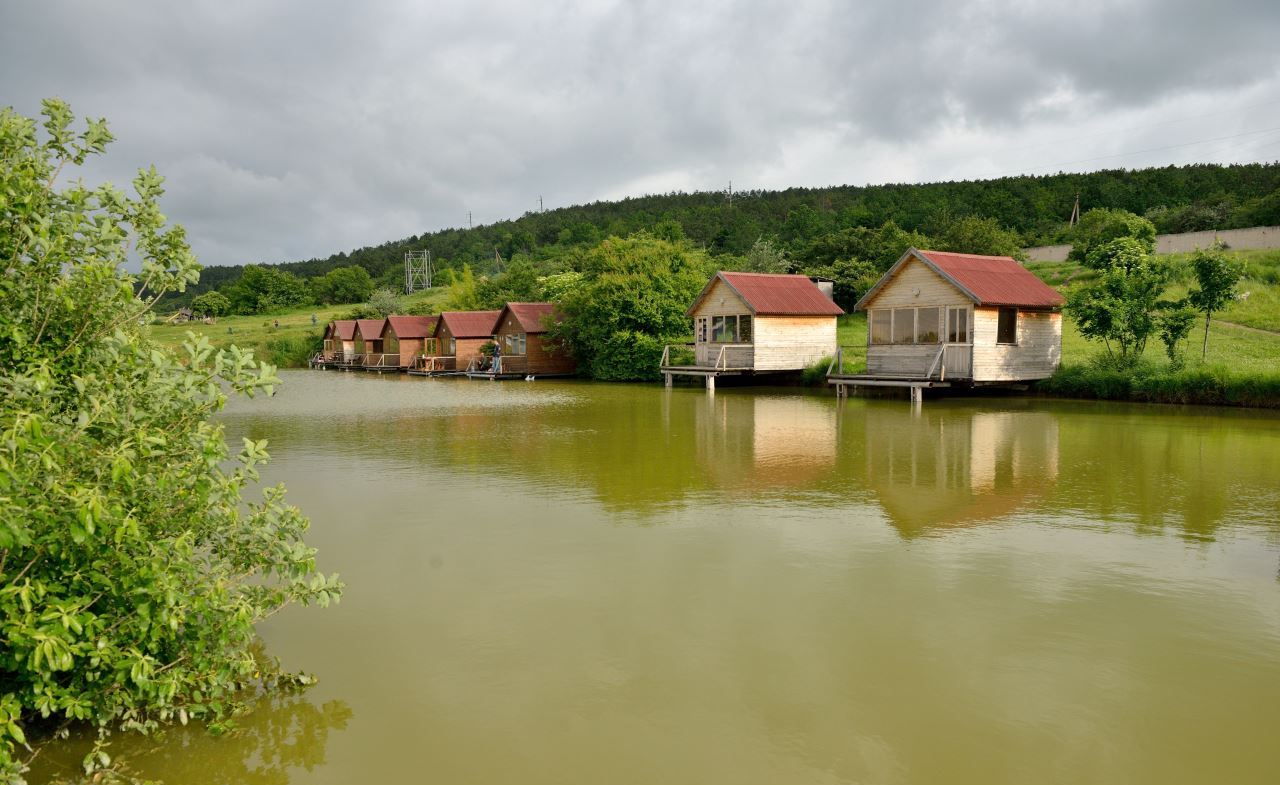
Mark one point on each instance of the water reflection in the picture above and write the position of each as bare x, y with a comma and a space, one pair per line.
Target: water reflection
284, 735
939, 468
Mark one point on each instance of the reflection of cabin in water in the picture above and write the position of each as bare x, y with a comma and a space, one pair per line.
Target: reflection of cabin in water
937, 318
526, 350
752, 443
945, 469
459, 336
404, 338
756, 323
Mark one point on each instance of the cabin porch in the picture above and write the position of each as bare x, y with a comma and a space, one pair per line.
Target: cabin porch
914, 367
433, 365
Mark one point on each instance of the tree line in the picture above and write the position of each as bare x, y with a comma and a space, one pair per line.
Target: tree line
1032, 209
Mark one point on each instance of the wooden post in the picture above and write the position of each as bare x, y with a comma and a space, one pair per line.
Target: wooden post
917, 395
711, 383
668, 382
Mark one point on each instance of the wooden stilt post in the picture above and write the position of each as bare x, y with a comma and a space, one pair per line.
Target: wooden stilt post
917, 396
668, 382
711, 383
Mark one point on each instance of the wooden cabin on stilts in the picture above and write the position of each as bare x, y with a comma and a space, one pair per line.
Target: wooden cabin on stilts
748, 324
458, 338
369, 355
525, 349
404, 339
338, 347
941, 319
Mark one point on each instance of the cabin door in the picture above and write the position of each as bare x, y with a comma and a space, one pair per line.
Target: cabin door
957, 353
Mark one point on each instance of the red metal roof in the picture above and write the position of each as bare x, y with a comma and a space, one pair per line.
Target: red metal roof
768, 294
470, 324
370, 329
345, 329
995, 280
532, 317
412, 326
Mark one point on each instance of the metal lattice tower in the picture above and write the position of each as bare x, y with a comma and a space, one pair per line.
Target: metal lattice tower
417, 271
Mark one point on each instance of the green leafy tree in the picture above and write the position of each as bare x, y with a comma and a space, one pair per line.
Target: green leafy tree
132, 571
557, 286
974, 234
211, 304
765, 257
344, 285
631, 300
1174, 324
1100, 226
518, 284
262, 289
463, 293
1217, 276
1120, 309
382, 303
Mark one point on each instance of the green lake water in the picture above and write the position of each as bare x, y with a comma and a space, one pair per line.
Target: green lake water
584, 583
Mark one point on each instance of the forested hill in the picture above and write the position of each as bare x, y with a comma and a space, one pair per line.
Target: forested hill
1183, 198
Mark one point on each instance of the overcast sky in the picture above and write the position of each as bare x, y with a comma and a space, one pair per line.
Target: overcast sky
291, 130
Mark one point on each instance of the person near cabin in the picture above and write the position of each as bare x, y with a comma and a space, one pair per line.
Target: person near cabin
497, 357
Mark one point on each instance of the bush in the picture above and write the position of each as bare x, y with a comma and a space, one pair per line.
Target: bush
1202, 384
133, 572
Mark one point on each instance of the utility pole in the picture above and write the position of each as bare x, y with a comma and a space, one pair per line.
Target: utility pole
730, 193
469, 219
540, 208
1075, 211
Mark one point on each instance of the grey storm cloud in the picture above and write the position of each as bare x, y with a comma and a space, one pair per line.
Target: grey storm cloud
296, 129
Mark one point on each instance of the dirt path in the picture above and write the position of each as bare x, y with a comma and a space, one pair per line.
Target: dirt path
1247, 328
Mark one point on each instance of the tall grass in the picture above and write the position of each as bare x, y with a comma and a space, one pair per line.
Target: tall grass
1200, 384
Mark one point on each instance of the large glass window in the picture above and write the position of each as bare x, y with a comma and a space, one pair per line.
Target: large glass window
928, 325
514, 344
730, 329
904, 325
881, 324
1007, 326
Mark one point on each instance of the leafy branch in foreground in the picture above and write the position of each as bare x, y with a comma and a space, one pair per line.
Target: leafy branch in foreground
132, 573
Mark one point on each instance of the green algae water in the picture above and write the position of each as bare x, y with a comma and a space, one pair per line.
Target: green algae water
582, 583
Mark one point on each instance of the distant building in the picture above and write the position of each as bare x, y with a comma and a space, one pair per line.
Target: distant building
405, 337
526, 350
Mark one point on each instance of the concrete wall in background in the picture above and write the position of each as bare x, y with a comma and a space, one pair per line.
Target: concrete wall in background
1236, 239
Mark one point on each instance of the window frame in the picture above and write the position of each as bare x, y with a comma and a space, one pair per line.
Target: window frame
1001, 314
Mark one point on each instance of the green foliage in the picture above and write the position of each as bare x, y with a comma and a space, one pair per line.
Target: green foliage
132, 572
518, 284
853, 278
557, 286
1100, 226
1120, 307
266, 289
974, 234
881, 247
765, 257
631, 301
382, 303
463, 293
349, 284
1174, 324
1217, 276
1202, 384
211, 304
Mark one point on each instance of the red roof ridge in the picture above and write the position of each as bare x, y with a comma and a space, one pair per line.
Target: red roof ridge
773, 294
970, 255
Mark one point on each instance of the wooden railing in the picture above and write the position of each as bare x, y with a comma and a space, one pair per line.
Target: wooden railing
382, 361
957, 361
679, 347
434, 363
723, 356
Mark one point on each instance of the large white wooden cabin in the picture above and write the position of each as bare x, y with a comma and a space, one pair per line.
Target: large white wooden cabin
754, 323
939, 318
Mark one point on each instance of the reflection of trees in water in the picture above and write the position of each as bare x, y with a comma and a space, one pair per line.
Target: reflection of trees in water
284, 733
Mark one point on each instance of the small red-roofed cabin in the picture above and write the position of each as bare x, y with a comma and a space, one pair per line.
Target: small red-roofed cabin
938, 317
459, 336
526, 350
339, 342
751, 323
368, 340
404, 338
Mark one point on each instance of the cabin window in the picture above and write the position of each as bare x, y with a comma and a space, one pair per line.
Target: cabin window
1007, 326
515, 344
928, 325
958, 325
881, 325
701, 326
730, 329
904, 325
391, 345
453, 346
